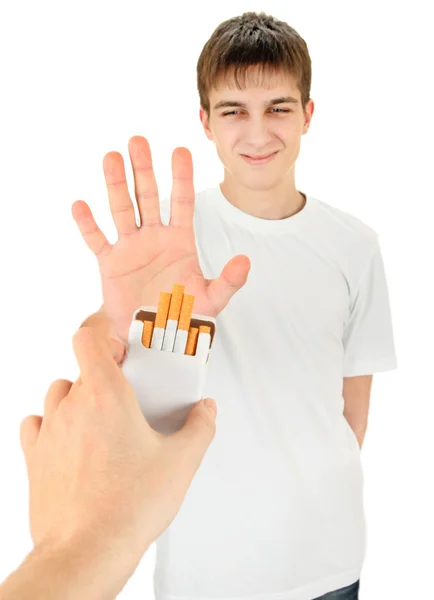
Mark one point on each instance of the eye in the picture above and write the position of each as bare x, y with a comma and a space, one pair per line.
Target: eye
280, 110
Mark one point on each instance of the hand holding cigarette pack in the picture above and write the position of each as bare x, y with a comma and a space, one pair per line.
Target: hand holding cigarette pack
167, 358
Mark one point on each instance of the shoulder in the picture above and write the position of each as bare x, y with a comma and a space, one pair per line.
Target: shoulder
341, 233
343, 239
343, 221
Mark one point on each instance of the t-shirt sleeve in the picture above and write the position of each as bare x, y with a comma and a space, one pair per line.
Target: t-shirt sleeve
368, 337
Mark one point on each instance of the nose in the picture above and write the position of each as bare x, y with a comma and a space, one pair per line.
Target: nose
256, 135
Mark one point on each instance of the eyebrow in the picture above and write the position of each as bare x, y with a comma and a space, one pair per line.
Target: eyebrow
230, 103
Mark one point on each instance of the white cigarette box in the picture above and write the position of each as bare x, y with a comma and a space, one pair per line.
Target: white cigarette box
167, 385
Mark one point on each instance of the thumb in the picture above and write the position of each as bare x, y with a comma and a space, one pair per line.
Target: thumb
194, 438
118, 349
29, 432
232, 278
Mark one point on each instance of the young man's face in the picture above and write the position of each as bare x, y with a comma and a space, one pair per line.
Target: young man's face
258, 121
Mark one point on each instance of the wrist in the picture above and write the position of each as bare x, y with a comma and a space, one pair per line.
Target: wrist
82, 570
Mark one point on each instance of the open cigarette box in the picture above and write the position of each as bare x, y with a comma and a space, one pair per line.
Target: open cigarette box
167, 384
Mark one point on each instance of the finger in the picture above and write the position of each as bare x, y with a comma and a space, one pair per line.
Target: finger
118, 350
104, 325
95, 359
193, 440
57, 391
121, 205
145, 184
29, 432
182, 197
92, 234
232, 278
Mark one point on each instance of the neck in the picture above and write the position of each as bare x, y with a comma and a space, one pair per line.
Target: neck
279, 202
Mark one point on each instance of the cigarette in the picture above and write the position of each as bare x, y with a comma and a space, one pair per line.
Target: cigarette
190, 347
148, 327
203, 342
172, 321
160, 320
183, 324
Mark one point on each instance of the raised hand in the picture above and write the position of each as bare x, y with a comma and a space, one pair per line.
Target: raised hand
151, 257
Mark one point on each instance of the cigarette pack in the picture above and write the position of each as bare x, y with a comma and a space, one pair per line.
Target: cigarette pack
167, 384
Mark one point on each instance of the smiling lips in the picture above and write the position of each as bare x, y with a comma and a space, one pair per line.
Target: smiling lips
259, 160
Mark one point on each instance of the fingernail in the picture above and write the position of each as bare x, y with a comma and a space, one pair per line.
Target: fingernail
211, 405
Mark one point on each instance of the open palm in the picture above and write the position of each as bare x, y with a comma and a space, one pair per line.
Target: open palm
152, 257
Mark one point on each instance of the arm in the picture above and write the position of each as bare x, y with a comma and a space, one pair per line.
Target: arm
356, 393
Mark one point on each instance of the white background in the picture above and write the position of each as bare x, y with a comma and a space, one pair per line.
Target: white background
79, 79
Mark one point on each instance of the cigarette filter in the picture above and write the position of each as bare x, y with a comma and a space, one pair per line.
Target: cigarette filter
148, 327
160, 320
203, 342
172, 321
183, 324
190, 347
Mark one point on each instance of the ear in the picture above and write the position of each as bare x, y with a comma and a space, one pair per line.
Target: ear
310, 107
204, 119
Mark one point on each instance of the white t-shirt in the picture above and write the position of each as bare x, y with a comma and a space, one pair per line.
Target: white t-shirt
275, 511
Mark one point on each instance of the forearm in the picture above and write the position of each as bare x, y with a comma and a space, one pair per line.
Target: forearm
73, 574
356, 393
358, 425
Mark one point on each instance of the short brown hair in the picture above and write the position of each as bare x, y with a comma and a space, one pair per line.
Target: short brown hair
253, 39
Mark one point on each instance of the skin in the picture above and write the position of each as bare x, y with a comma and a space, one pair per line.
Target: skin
267, 191
357, 393
103, 484
95, 508
150, 257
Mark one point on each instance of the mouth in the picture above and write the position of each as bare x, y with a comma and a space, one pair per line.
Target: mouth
259, 160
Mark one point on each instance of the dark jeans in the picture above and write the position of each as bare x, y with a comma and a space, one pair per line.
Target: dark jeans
350, 592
